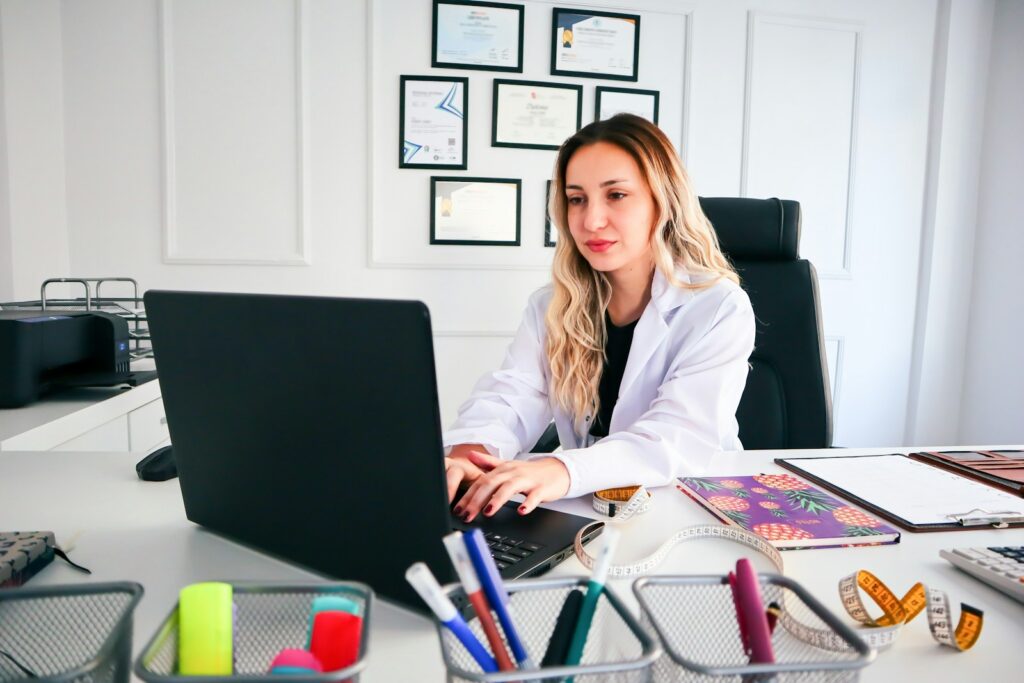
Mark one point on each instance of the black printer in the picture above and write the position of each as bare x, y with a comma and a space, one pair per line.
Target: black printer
43, 351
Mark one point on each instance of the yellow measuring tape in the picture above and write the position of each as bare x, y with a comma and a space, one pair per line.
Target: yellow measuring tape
898, 611
622, 504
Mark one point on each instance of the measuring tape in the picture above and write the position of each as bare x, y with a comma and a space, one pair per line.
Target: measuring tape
882, 632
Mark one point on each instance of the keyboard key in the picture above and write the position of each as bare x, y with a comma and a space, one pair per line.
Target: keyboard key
520, 552
501, 566
502, 548
530, 546
507, 559
969, 553
496, 537
512, 541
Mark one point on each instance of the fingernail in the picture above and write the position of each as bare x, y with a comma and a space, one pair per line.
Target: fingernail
457, 510
522, 509
489, 509
465, 517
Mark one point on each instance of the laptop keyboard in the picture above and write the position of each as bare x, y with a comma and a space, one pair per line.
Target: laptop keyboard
506, 551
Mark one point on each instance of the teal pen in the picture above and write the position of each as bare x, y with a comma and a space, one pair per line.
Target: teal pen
594, 588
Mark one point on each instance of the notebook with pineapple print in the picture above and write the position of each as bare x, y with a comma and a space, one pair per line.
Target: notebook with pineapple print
787, 511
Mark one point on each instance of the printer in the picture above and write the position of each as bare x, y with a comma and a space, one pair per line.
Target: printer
43, 351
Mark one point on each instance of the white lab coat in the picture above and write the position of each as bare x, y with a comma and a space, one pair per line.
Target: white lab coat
677, 403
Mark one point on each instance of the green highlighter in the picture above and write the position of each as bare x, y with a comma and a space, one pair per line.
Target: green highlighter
205, 625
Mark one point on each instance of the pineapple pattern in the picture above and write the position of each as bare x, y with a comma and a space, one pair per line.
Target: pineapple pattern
856, 522
782, 508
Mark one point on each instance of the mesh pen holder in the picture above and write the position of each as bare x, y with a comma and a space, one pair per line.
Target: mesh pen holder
618, 649
74, 633
695, 619
268, 619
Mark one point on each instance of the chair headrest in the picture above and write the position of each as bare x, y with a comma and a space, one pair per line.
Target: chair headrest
755, 229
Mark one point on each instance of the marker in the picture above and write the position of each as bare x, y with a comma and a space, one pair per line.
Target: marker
594, 588
750, 613
497, 596
420, 577
772, 613
464, 568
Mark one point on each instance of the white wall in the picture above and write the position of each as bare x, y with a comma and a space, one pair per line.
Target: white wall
959, 79
993, 398
127, 120
35, 213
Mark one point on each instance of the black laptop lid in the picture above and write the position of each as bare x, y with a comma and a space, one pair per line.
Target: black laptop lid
288, 413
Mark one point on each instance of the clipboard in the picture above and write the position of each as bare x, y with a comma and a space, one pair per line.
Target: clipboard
902, 490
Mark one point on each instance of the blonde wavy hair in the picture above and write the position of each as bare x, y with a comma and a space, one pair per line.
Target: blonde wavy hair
681, 236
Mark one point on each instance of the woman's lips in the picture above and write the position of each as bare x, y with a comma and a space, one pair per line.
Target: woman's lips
599, 245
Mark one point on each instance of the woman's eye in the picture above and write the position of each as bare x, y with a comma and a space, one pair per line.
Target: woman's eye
616, 195
575, 200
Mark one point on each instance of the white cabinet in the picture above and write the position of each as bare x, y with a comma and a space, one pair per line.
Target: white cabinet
88, 420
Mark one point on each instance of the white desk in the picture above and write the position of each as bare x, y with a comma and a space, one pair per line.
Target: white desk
89, 418
126, 529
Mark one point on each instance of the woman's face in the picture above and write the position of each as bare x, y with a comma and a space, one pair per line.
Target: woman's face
610, 209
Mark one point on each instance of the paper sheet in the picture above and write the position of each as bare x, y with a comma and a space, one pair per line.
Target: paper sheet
911, 490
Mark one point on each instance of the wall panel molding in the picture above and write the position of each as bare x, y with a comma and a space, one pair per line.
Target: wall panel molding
757, 24
300, 251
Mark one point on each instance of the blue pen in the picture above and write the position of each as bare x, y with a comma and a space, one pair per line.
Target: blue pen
497, 596
426, 585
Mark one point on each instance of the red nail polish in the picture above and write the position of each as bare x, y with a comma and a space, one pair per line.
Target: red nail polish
457, 510
522, 509
489, 509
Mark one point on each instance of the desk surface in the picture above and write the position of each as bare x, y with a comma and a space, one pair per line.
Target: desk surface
64, 415
126, 529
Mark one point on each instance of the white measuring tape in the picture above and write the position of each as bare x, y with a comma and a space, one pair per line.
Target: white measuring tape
623, 503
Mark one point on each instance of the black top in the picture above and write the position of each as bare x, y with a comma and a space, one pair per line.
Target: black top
616, 352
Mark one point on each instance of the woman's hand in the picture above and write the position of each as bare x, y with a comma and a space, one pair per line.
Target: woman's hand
542, 480
458, 469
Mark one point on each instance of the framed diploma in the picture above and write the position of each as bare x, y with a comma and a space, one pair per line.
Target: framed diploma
592, 44
550, 231
611, 101
533, 114
478, 211
433, 122
477, 35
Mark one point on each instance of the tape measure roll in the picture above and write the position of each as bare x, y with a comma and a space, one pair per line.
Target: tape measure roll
623, 502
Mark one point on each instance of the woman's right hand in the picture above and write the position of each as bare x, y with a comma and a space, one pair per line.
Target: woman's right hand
459, 469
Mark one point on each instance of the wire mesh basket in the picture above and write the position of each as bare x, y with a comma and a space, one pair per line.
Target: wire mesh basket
695, 619
268, 619
75, 633
617, 649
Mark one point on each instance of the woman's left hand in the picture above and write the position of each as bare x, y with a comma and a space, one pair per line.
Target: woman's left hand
542, 480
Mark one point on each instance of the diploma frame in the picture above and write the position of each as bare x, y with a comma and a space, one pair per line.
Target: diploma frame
434, 180
402, 163
541, 85
549, 229
645, 94
438, 64
557, 39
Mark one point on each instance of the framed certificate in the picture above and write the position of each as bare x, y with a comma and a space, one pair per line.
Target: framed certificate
550, 232
592, 44
433, 122
478, 211
611, 101
477, 35
535, 115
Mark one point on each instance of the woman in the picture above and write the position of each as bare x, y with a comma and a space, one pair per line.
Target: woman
638, 348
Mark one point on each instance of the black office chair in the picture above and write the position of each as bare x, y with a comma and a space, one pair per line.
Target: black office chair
787, 402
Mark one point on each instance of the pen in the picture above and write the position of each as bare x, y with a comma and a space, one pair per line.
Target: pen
426, 585
497, 596
464, 568
750, 613
594, 588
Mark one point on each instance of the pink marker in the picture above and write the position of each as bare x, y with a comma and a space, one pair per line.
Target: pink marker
750, 613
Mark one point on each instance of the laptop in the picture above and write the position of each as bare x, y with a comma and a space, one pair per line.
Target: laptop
309, 428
